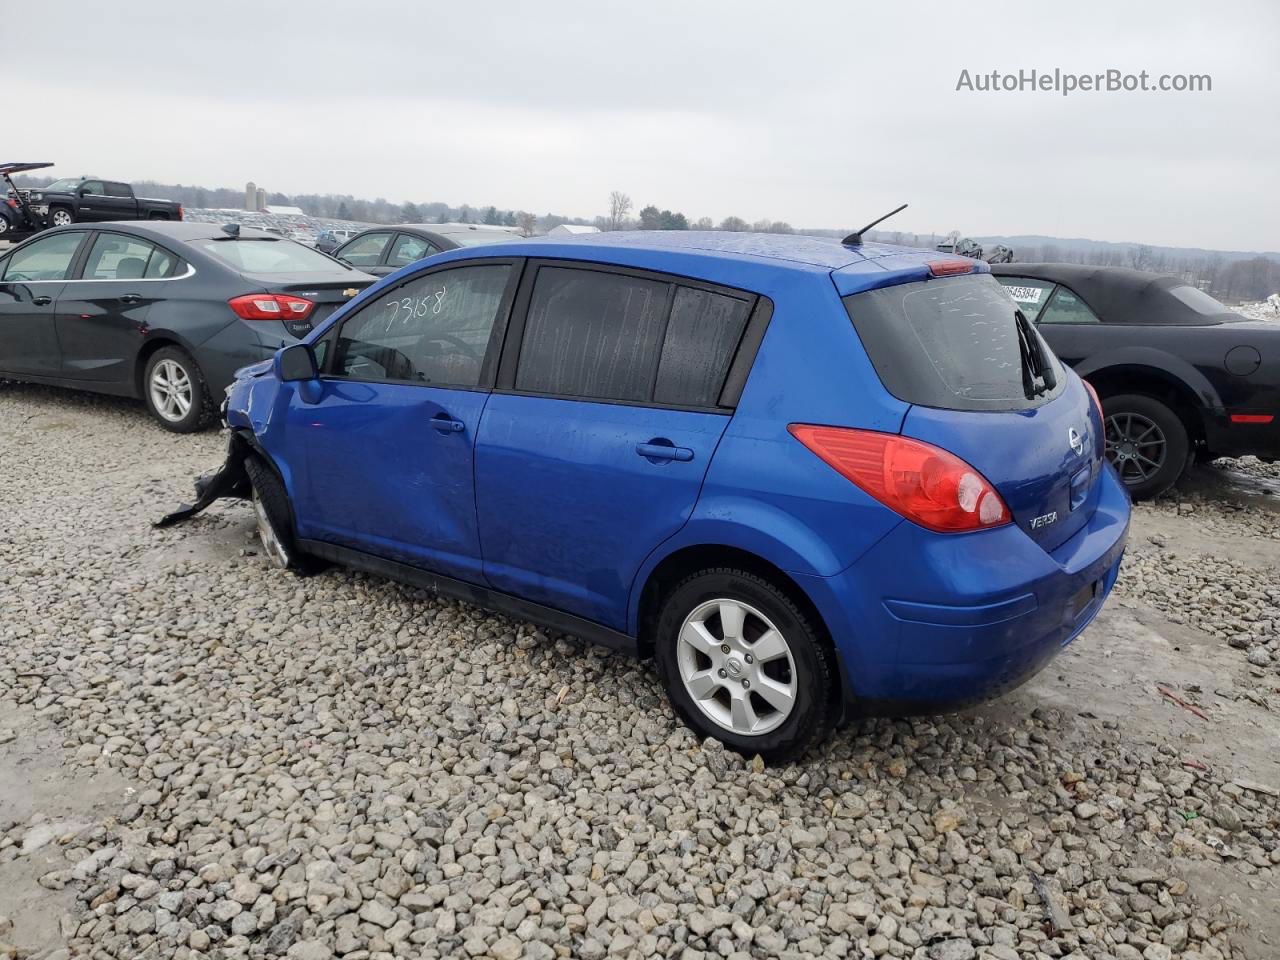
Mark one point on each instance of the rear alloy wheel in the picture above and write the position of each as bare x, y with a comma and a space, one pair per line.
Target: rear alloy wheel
743, 664
175, 391
1147, 443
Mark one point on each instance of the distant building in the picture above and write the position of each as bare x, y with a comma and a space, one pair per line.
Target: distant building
262, 200
284, 211
250, 196
571, 230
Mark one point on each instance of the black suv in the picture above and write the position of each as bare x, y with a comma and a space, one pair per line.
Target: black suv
1180, 375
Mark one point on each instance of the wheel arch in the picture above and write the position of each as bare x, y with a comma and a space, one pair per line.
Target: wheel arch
153, 343
684, 561
1186, 401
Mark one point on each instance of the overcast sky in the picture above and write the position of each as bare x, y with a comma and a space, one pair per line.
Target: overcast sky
820, 114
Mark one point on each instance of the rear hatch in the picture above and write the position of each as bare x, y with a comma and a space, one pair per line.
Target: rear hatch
985, 386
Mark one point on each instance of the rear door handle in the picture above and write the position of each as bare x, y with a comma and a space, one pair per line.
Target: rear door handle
131, 298
664, 451
446, 424
42, 301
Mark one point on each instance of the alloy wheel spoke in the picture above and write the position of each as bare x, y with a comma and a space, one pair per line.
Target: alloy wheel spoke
696, 634
703, 684
770, 646
731, 618
743, 714
773, 693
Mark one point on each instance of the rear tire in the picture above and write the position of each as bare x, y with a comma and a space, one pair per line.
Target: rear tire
274, 517
773, 693
175, 391
1146, 441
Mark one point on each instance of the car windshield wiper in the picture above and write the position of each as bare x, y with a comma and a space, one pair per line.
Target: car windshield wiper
1037, 373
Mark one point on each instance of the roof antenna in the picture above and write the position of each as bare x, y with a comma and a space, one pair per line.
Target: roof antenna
231, 229
855, 239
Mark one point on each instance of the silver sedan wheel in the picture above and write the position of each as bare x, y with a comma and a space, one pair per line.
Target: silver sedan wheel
737, 667
60, 218
276, 552
171, 390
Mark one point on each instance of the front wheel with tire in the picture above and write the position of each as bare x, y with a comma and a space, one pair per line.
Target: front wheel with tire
61, 217
175, 391
274, 516
741, 662
1146, 441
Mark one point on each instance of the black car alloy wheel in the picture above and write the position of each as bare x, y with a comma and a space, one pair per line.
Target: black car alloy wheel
1136, 445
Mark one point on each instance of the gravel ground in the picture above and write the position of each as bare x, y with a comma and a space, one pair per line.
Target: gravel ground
202, 756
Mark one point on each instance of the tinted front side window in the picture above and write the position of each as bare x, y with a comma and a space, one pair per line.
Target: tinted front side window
114, 257
702, 337
592, 334
93, 186
432, 330
951, 343
46, 259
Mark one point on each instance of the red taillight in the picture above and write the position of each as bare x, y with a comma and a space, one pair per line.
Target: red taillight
949, 268
925, 484
271, 306
1097, 404
1252, 417
11, 203
181, 212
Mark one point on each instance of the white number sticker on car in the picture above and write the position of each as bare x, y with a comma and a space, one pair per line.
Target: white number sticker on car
1025, 294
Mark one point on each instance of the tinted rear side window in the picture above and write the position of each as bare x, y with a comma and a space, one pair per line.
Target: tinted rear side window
592, 334
950, 343
702, 337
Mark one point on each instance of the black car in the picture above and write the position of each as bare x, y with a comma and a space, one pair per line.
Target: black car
331, 238
162, 311
384, 250
1180, 375
88, 200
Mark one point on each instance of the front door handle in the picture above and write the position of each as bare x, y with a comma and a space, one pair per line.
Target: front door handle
657, 450
42, 301
446, 424
131, 298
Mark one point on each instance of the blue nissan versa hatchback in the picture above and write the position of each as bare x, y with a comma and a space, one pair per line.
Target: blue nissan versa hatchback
811, 479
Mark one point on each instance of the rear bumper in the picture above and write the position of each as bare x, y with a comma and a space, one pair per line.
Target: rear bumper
1227, 439
925, 622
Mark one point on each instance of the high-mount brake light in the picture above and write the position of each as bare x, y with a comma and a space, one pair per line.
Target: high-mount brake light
924, 483
271, 306
949, 268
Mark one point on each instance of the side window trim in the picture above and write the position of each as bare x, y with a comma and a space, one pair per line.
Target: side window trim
488, 366
739, 365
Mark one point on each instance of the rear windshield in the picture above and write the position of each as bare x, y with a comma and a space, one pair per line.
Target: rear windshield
478, 238
956, 343
254, 255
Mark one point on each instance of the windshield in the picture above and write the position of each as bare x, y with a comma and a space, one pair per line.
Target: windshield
477, 238
66, 185
264, 255
955, 343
